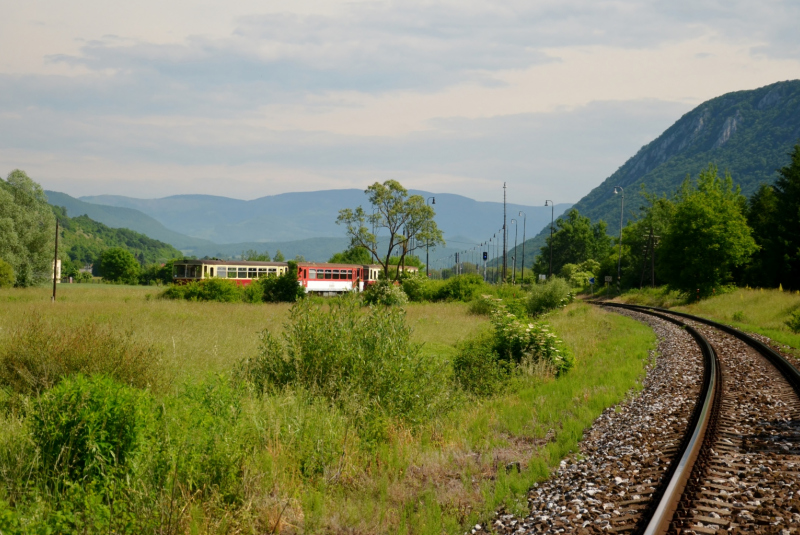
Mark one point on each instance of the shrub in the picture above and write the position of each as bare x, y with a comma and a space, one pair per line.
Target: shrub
553, 294
39, 354
282, 289
385, 293
214, 289
794, 322
87, 428
460, 288
477, 368
485, 305
7, 278
485, 363
362, 360
418, 287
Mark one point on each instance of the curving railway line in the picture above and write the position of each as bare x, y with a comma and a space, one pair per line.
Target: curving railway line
712, 445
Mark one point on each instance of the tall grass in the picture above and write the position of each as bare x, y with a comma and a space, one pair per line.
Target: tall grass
215, 456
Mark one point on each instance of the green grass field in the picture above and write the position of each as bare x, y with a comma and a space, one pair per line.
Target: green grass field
299, 467
749, 309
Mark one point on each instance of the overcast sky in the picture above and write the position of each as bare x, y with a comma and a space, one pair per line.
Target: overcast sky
253, 98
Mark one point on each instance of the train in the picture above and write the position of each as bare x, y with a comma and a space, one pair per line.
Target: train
315, 277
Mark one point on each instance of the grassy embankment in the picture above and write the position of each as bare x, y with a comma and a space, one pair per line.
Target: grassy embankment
753, 310
298, 465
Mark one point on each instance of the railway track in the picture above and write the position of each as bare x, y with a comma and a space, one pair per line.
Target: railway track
740, 471
717, 455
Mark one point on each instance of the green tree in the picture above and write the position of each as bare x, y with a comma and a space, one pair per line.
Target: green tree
119, 265
575, 240
762, 217
253, 255
27, 229
279, 256
637, 260
707, 237
7, 278
408, 221
353, 255
787, 190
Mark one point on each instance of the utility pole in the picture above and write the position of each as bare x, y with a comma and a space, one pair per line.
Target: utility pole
55, 264
524, 221
505, 236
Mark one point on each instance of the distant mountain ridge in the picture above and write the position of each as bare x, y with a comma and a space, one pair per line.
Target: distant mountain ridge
304, 215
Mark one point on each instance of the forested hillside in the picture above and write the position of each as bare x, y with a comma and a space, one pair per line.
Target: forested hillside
82, 240
749, 134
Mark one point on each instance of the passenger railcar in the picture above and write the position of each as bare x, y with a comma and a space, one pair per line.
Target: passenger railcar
322, 278
241, 272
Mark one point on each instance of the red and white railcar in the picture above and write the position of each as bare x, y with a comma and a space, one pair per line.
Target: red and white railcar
329, 279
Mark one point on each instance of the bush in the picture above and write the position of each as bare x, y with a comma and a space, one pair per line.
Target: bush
553, 294
7, 277
87, 428
214, 289
39, 354
385, 293
362, 360
484, 364
794, 322
282, 289
460, 288
418, 287
485, 305
477, 367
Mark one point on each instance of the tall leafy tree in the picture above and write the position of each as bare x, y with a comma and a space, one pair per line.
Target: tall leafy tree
27, 229
707, 237
119, 265
574, 241
787, 191
762, 216
353, 255
407, 220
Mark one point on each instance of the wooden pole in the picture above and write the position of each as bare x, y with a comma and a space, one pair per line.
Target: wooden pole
55, 264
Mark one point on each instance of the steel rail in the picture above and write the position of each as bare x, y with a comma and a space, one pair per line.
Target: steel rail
787, 369
667, 498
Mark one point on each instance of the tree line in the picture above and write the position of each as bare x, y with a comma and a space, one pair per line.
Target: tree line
705, 236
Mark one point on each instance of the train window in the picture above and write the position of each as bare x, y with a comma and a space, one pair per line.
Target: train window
252, 273
272, 271
327, 273
335, 274
180, 271
312, 273
242, 273
222, 272
211, 271
231, 272
262, 272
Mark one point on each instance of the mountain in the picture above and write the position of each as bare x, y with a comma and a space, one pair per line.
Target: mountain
83, 239
747, 133
304, 215
118, 217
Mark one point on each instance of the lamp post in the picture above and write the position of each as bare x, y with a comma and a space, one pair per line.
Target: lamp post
552, 211
621, 213
427, 242
524, 220
514, 272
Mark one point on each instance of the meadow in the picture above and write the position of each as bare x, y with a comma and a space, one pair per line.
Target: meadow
223, 457
757, 310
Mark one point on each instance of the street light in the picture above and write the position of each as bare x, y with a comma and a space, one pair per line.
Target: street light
552, 211
428, 242
621, 213
514, 273
524, 220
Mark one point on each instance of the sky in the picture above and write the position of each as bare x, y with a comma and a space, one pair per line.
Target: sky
252, 98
